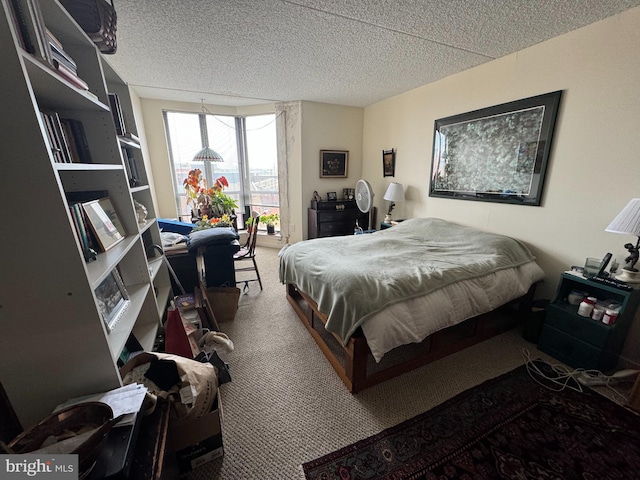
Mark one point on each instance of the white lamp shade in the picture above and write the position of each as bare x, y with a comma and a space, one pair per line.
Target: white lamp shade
628, 220
395, 193
207, 155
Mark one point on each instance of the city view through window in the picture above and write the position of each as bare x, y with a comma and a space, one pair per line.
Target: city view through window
249, 151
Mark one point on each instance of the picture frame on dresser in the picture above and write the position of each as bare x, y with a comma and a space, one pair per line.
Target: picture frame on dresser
334, 163
104, 222
112, 299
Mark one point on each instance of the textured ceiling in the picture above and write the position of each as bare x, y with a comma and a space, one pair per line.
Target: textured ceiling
348, 52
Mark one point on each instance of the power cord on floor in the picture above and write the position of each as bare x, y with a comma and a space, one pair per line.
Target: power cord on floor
557, 377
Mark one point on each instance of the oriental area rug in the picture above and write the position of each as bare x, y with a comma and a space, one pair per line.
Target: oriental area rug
510, 427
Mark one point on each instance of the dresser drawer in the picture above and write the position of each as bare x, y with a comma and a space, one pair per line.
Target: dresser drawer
327, 229
572, 351
336, 215
563, 317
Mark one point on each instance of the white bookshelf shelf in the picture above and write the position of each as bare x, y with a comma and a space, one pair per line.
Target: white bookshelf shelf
54, 344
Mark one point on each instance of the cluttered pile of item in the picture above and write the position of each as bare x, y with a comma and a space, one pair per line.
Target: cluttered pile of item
183, 381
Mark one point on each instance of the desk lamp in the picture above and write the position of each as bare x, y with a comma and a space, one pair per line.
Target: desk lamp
628, 222
395, 193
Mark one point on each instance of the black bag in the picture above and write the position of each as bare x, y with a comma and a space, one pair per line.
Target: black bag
98, 19
223, 368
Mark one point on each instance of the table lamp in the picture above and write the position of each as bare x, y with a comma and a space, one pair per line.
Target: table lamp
628, 222
395, 193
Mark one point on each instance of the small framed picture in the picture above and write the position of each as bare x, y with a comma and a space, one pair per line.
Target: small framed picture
333, 163
112, 298
332, 196
389, 163
104, 222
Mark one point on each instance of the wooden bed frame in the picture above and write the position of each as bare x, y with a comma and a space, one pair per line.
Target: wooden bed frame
353, 368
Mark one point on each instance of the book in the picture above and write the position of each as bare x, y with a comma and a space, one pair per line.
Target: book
16, 21
69, 75
132, 168
56, 57
51, 138
73, 147
31, 26
185, 302
58, 52
79, 138
62, 138
76, 209
116, 112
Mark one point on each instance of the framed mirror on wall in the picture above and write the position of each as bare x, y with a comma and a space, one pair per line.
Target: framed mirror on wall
495, 154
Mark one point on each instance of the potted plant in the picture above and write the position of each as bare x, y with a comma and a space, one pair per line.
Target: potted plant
249, 224
269, 219
205, 222
209, 201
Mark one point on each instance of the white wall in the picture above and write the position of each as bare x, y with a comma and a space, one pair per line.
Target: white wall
593, 170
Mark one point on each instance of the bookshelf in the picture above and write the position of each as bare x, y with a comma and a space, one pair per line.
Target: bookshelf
54, 341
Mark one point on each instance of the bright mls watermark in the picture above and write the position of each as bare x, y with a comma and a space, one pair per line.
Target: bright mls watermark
49, 466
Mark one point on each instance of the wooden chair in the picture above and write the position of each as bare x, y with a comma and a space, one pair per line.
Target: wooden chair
247, 253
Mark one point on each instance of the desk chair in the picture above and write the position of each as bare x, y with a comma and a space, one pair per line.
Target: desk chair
247, 253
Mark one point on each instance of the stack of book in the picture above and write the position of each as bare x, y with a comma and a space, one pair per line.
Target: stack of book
63, 63
38, 40
67, 138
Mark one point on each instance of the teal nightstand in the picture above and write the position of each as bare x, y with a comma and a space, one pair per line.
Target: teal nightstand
385, 225
581, 342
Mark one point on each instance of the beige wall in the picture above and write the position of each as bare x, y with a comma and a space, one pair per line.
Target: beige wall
328, 127
593, 170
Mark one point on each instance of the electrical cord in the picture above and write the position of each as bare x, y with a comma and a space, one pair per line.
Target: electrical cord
557, 377
554, 377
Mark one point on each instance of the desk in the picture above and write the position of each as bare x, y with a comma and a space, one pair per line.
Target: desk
217, 261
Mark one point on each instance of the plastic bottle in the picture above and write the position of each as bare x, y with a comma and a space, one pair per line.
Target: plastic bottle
586, 306
598, 312
610, 316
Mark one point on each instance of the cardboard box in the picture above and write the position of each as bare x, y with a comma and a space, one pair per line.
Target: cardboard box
196, 441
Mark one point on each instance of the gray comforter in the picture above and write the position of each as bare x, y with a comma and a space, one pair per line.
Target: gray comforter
353, 277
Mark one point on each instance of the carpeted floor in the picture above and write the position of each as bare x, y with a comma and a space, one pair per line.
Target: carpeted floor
509, 427
286, 406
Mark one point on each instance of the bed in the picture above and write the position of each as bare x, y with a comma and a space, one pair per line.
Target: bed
415, 292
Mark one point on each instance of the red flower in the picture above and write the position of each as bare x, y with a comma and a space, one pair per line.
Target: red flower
221, 182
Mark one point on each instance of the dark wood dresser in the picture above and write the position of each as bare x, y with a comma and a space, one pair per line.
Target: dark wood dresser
329, 219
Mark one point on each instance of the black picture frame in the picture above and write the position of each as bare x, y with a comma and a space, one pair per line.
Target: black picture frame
334, 163
332, 196
389, 163
495, 154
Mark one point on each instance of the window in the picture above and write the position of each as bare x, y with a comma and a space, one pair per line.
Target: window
248, 147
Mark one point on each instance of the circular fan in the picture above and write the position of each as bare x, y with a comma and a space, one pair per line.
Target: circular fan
364, 196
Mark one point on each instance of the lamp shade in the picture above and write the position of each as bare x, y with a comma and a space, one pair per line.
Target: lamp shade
395, 192
207, 155
628, 220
